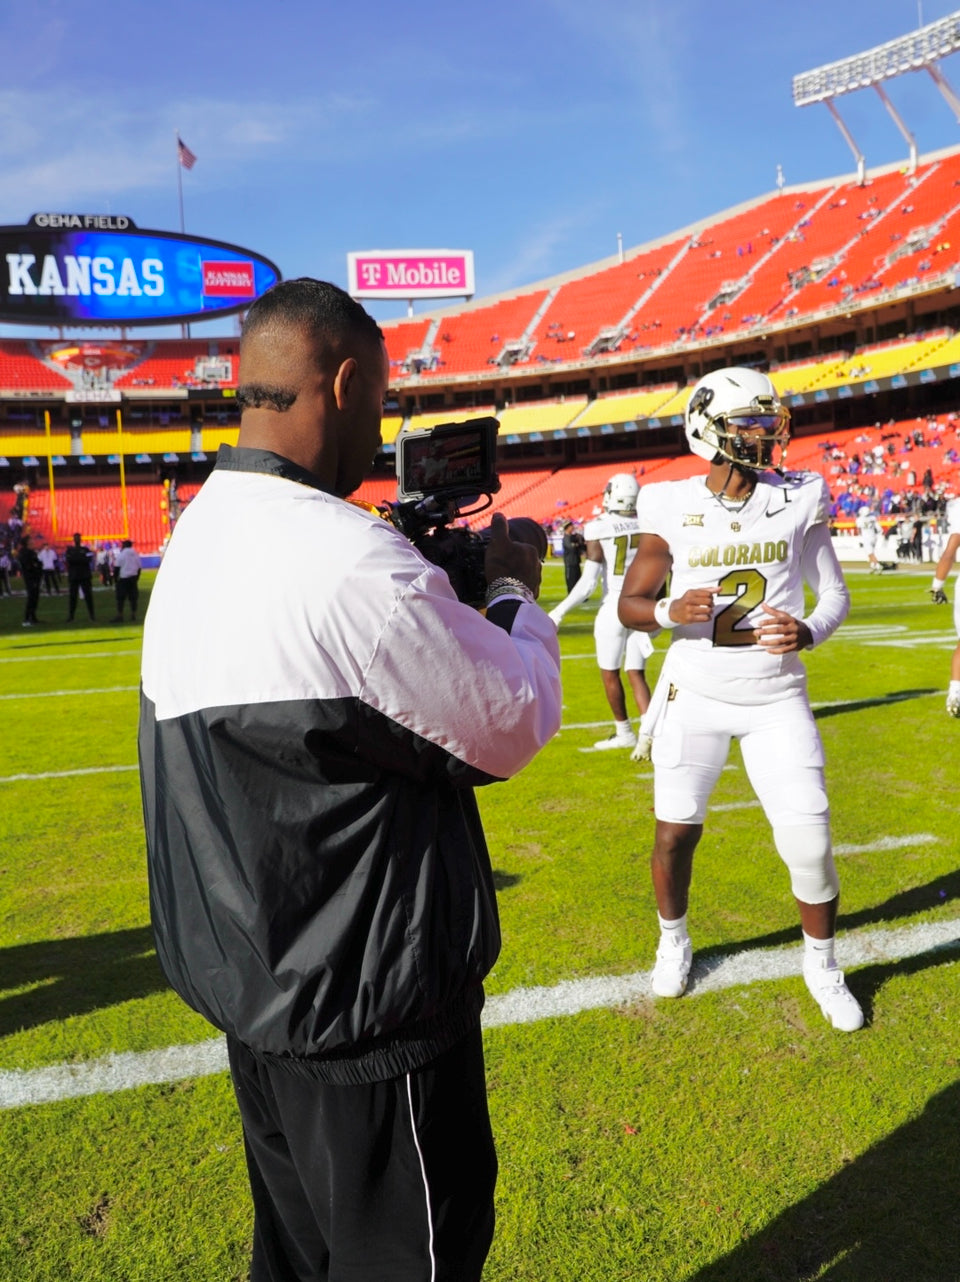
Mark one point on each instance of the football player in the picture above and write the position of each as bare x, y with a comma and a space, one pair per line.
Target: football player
944, 566
740, 543
868, 527
611, 544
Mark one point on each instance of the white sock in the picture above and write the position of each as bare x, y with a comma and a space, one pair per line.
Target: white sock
954, 690
623, 728
675, 931
819, 953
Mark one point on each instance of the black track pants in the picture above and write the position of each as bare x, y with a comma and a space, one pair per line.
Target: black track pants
385, 1182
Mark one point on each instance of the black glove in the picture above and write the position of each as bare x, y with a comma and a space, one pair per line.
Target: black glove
938, 596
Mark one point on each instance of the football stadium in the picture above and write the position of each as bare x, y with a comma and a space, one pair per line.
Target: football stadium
731, 1136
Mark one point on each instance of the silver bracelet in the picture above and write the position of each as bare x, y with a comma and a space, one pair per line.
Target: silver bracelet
507, 587
661, 612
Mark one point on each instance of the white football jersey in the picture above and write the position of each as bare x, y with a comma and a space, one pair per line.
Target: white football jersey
618, 537
868, 525
753, 554
953, 516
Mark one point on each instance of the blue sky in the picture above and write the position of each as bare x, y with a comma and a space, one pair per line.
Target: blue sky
531, 131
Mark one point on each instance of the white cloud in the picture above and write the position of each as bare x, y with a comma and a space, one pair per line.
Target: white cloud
536, 255
63, 154
645, 43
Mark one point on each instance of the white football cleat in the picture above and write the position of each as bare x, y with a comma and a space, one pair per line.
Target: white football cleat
616, 741
829, 990
672, 967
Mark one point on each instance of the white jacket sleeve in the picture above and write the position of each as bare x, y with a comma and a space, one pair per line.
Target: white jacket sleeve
491, 698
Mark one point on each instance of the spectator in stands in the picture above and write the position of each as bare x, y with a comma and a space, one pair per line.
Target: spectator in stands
31, 571
79, 561
330, 903
127, 580
51, 573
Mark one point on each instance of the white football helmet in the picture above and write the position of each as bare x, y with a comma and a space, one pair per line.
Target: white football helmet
620, 494
724, 411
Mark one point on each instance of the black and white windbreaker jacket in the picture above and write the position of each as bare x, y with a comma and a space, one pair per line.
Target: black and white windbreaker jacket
316, 707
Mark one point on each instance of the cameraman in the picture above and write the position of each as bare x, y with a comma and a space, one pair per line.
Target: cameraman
311, 733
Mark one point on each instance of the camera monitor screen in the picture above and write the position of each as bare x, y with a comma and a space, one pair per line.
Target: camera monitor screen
451, 460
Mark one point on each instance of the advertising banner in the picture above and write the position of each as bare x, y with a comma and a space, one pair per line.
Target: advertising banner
411, 273
97, 269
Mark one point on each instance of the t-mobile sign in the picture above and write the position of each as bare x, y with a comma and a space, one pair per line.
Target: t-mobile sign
411, 273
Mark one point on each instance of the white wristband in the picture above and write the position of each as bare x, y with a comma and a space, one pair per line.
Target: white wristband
661, 612
937, 584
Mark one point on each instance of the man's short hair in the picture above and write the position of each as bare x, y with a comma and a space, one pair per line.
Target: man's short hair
317, 308
326, 311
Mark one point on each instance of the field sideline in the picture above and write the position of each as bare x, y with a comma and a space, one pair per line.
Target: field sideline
729, 1136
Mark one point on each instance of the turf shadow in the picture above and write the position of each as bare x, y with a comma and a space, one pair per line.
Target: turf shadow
504, 880
906, 903
76, 976
879, 701
888, 1216
74, 642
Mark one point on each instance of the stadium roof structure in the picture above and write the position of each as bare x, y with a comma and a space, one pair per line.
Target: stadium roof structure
920, 50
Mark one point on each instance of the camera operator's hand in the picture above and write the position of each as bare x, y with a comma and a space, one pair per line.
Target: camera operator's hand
509, 558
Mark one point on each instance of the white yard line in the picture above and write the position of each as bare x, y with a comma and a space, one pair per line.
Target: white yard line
67, 774
887, 843
63, 658
56, 694
21, 1087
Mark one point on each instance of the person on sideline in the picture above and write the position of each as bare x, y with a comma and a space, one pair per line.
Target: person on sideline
611, 544
740, 544
573, 547
127, 571
51, 574
78, 558
31, 571
320, 884
948, 559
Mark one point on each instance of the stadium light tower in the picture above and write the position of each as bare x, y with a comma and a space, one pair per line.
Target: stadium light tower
921, 50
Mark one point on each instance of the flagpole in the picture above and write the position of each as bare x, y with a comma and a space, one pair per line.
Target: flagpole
184, 329
176, 134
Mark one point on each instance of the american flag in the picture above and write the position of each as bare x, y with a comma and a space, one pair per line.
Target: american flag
187, 158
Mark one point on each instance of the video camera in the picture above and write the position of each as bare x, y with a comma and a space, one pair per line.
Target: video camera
442, 475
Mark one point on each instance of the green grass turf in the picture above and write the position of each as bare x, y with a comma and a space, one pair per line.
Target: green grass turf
727, 1137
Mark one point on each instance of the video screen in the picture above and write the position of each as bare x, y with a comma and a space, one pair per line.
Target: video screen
456, 458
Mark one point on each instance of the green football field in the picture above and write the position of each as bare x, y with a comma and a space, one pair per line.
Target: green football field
731, 1136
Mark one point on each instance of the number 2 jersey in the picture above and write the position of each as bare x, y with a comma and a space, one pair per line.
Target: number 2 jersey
763, 551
